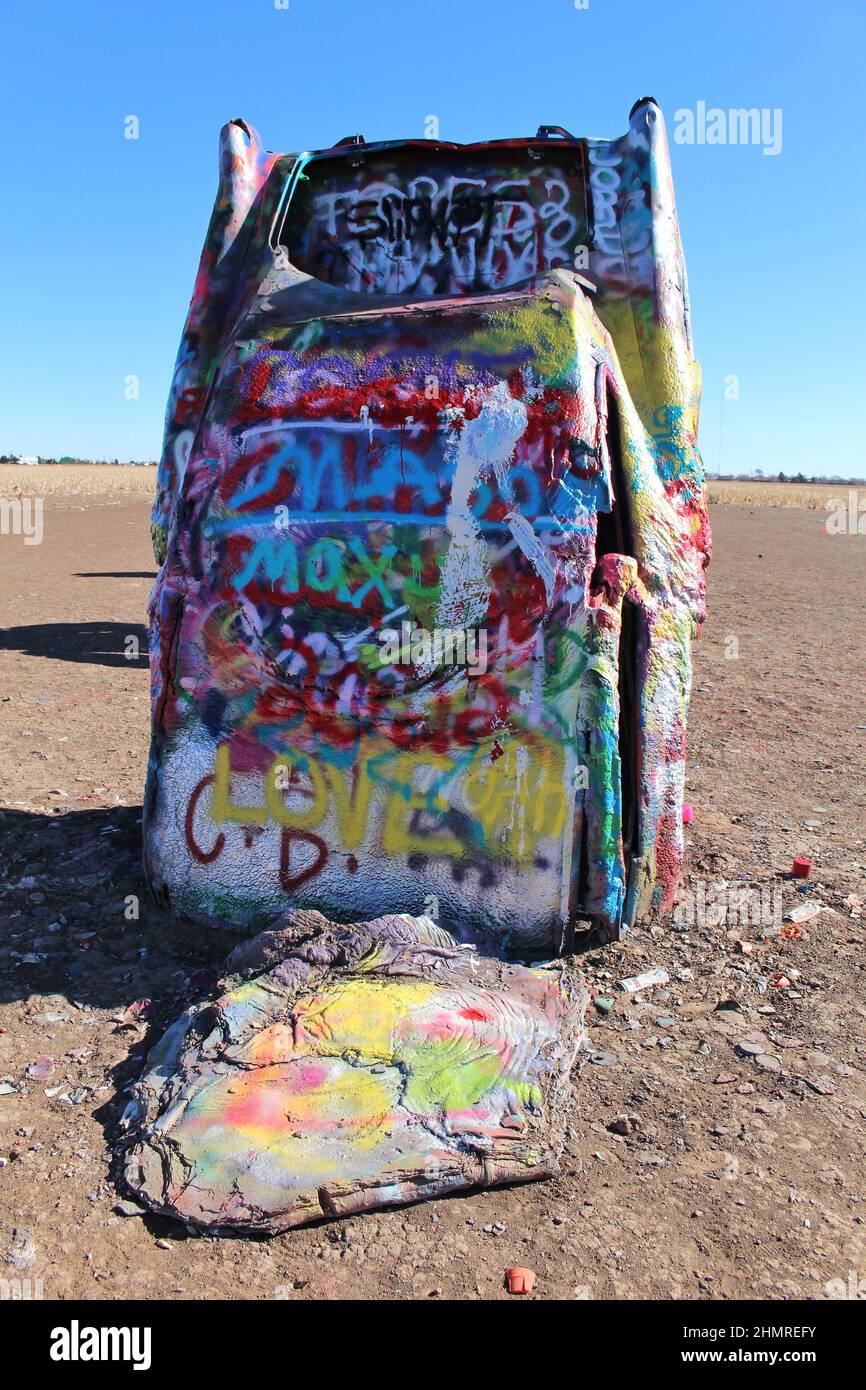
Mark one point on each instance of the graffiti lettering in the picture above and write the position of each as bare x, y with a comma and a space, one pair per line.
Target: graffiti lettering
445, 236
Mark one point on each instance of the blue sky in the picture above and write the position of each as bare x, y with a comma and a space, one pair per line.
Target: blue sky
101, 235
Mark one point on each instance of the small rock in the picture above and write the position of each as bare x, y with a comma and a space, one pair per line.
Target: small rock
603, 1003
604, 1059
128, 1209
41, 1069
624, 1124
824, 1085
767, 1062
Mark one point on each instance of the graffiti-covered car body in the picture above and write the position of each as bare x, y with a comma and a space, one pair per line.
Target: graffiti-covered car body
432, 534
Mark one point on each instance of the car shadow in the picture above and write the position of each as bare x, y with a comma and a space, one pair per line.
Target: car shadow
100, 644
77, 918
80, 932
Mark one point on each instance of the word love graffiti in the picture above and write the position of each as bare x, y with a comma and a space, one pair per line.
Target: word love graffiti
478, 806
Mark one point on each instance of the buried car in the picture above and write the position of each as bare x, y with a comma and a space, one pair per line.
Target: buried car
433, 535
433, 532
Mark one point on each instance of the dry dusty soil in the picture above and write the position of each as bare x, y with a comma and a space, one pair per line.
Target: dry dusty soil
692, 1171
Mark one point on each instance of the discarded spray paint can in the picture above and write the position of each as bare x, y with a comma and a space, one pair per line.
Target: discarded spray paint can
635, 983
688, 813
804, 912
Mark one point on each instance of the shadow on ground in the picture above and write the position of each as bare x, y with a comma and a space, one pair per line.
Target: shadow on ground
81, 935
77, 918
102, 644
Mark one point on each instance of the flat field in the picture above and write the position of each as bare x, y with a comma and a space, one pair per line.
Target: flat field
734, 1179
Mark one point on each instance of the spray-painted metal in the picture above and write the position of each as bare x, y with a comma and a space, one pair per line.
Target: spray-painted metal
356, 1066
433, 532
432, 536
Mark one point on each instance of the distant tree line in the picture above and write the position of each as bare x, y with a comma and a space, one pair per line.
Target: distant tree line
800, 478
67, 458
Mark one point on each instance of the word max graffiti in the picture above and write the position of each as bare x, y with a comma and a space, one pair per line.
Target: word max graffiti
398, 409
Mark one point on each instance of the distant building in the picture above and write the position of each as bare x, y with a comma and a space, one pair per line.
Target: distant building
27, 458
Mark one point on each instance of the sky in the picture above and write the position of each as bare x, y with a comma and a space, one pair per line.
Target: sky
100, 235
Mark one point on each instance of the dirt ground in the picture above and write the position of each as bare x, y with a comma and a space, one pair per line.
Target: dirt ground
735, 1175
